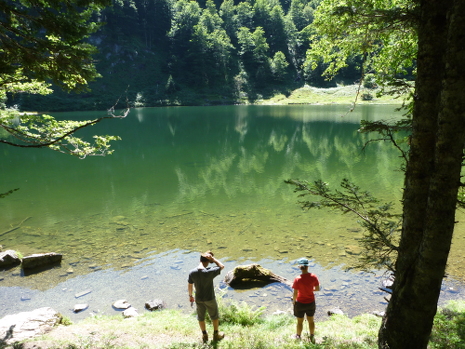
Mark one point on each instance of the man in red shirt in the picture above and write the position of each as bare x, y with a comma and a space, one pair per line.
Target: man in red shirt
304, 299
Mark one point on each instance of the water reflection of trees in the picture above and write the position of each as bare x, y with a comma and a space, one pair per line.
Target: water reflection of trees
258, 163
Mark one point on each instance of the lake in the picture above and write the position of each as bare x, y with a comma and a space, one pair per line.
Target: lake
188, 179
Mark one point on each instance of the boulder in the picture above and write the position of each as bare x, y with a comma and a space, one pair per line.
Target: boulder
41, 260
252, 275
18, 327
9, 258
156, 304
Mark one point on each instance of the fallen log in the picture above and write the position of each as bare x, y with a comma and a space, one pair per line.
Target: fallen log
253, 275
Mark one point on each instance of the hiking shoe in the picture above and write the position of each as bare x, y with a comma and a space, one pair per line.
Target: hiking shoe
296, 337
312, 338
217, 336
205, 337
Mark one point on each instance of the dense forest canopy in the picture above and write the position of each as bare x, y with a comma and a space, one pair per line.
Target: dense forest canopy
167, 52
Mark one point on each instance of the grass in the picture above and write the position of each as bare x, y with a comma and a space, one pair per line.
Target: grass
244, 326
335, 95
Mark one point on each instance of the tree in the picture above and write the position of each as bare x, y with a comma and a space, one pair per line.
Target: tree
278, 66
185, 16
254, 53
389, 36
210, 47
45, 41
41, 43
244, 15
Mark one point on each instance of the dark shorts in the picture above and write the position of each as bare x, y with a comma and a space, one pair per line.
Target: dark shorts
302, 309
204, 306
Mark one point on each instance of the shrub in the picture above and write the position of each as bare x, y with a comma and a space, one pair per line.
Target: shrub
449, 327
240, 314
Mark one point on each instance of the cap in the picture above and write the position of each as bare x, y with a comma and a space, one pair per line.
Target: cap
303, 261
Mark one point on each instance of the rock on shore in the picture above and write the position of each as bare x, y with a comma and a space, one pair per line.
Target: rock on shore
17, 327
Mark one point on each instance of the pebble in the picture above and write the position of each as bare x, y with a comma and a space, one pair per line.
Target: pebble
80, 307
121, 304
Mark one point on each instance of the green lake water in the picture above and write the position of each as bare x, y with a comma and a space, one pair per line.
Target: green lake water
189, 179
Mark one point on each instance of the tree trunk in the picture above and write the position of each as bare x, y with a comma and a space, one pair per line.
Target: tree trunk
432, 176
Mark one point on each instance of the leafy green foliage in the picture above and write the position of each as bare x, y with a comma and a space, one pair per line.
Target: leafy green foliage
449, 328
382, 33
28, 130
44, 40
381, 226
240, 313
144, 42
397, 133
278, 66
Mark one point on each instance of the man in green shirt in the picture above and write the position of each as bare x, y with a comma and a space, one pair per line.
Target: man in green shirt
201, 278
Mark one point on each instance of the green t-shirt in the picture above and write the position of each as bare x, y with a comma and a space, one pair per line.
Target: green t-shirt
203, 282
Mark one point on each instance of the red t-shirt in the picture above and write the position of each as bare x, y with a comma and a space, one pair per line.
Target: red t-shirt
305, 284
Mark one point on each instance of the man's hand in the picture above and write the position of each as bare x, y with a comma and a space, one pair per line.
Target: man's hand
212, 259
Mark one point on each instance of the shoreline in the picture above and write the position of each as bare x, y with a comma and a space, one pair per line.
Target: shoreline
164, 276
305, 95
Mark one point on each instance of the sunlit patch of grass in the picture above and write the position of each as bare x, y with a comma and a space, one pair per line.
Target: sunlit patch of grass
246, 327
334, 95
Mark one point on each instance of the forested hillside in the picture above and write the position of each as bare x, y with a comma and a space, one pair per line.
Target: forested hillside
180, 52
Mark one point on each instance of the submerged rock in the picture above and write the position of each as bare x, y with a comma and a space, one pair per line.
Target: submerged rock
83, 293
41, 260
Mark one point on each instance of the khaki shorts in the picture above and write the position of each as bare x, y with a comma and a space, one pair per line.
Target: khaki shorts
210, 306
302, 309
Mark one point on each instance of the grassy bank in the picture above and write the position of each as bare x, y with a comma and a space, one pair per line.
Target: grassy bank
335, 95
244, 327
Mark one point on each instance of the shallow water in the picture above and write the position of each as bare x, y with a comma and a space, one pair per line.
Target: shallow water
185, 180
164, 276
